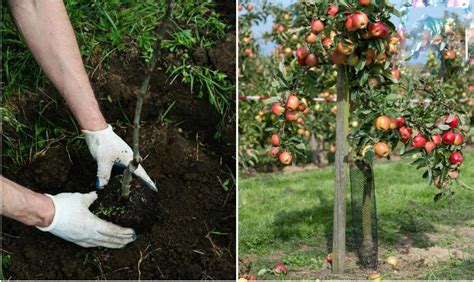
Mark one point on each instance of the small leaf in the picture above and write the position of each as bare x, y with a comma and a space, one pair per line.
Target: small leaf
391, 97
262, 271
443, 126
411, 152
301, 146
271, 100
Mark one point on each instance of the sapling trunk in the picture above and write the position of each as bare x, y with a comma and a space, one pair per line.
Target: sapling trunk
127, 175
367, 244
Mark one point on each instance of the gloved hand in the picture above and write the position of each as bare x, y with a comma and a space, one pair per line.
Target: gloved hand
108, 149
75, 223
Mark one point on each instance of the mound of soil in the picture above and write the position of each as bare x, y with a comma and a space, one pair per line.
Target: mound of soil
140, 211
185, 231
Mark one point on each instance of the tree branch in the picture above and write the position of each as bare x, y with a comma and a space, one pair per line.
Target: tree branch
127, 175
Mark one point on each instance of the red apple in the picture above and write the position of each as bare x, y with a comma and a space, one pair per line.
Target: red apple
359, 20
311, 38
274, 152
364, 2
396, 74
456, 158
317, 26
302, 52
327, 42
280, 269
333, 10
383, 123
448, 137
400, 121
275, 140
454, 121
285, 158
292, 102
405, 133
311, 60
277, 109
301, 62
449, 55
436, 139
381, 149
349, 23
430, 146
385, 31
378, 29
458, 139
345, 48
419, 141
291, 115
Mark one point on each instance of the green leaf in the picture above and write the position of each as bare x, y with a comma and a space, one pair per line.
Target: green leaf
443, 126
360, 65
301, 146
391, 97
411, 152
262, 272
271, 100
369, 155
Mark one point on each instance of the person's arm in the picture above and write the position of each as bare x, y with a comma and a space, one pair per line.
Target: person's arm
46, 28
24, 205
65, 215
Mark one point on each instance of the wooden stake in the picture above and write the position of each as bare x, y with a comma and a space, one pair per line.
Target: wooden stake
342, 127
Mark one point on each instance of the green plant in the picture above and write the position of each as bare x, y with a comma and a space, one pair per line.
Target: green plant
6, 261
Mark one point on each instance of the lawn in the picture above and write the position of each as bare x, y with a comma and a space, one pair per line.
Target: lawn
288, 218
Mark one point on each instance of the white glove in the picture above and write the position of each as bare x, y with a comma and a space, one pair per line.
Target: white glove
108, 149
75, 223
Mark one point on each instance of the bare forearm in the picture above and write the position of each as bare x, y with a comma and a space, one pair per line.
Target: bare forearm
24, 205
47, 30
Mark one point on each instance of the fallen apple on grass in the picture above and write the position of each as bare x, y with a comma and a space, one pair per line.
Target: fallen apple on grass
392, 260
280, 269
375, 276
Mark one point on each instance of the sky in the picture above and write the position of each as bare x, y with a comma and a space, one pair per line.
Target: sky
413, 16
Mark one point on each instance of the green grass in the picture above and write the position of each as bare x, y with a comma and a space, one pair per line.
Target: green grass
288, 217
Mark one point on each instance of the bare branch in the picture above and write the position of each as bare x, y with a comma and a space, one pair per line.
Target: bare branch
127, 175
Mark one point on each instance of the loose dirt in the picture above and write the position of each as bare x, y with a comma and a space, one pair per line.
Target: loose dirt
185, 231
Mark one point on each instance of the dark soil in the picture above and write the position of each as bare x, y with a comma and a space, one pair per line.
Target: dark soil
140, 211
185, 231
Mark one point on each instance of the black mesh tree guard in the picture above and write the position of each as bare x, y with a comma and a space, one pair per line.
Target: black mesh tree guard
364, 215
